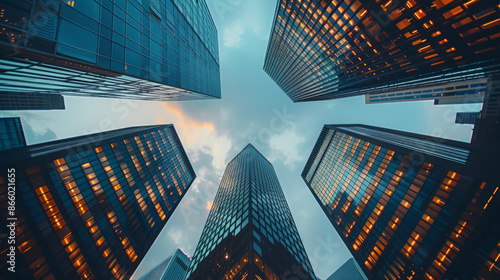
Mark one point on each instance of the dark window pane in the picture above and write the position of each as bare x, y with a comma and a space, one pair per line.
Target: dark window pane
88, 7
78, 37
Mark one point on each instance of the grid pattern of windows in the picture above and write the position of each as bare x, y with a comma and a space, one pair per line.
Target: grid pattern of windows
331, 49
31, 101
249, 227
467, 117
11, 134
491, 105
157, 45
174, 267
177, 268
349, 270
463, 92
96, 209
404, 216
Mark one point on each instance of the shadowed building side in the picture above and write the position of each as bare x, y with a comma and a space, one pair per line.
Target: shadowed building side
31, 101
11, 134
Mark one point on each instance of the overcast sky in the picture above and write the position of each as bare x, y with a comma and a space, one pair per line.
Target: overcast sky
252, 109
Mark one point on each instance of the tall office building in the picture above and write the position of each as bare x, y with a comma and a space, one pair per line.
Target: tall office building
150, 50
174, 267
486, 134
467, 117
90, 207
11, 134
31, 101
409, 206
472, 91
350, 270
250, 232
332, 49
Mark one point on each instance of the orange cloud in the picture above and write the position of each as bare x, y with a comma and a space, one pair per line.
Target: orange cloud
209, 205
198, 135
188, 127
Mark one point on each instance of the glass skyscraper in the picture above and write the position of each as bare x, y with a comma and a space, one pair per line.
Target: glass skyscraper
486, 133
467, 117
31, 101
151, 49
332, 49
90, 207
350, 270
250, 232
174, 267
409, 206
11, 134
472, 91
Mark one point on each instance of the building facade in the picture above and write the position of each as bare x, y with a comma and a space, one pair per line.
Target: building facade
150, 50
90, 207
467, 117
350, 270
332, 49
472, 91
250, 232
486, 133
31, 101
174, 267
11, 134
407, 205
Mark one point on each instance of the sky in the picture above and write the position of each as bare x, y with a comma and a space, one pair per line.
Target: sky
252, 110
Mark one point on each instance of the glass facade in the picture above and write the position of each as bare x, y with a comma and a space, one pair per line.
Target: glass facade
467, 117
350, 270
90, 207
332, 49
454, 93
31, 101
11, 134
486, 132
250, 232
147, 49
174, 267
491, 106
408, 206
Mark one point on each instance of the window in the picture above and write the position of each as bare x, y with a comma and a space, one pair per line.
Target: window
77, 42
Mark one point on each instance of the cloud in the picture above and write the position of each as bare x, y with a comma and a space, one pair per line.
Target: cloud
232, 35
286, 146
201, 135
175, 236
39, 135
208, 176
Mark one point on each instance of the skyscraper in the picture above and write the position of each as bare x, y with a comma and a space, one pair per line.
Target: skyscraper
467, 117
471, 91
486, 135
250, 232
174, 267
350, 270
31, 101
11, 134
90, 207
332, 49
408, 205
150, 50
